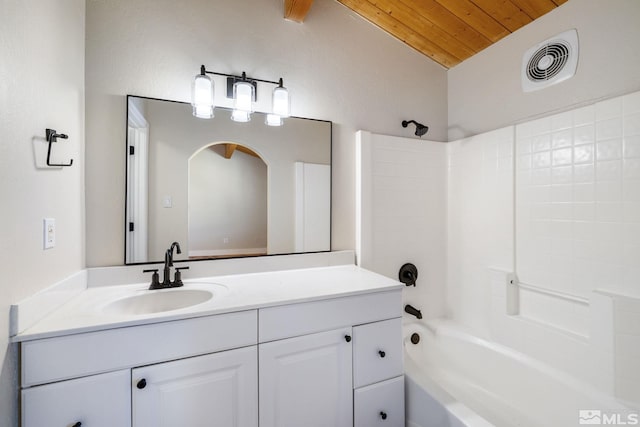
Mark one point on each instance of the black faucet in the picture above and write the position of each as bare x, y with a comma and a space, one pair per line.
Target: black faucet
168, 263
412, 310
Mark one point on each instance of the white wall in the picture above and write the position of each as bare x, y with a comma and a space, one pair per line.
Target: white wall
337, 67
41, 85
608, 65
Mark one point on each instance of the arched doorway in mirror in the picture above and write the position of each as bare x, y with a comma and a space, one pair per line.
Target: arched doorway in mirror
227, 201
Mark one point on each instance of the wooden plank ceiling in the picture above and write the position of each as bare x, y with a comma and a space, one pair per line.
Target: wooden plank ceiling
447, 31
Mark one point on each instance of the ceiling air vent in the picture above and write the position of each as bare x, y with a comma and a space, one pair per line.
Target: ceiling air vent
550, 62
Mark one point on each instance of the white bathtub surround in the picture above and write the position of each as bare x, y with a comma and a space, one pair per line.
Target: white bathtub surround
400, 212
588, 357
543, 242
578, 199
477, 382
30, 311
480, 223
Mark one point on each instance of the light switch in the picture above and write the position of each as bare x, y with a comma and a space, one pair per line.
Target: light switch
49, 233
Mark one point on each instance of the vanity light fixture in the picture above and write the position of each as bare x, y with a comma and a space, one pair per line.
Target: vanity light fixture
243, 91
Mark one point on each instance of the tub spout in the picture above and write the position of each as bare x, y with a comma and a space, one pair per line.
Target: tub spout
413, 311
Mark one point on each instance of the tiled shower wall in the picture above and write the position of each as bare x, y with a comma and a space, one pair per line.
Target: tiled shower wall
402, 200
565, 219
480, 223
578, 199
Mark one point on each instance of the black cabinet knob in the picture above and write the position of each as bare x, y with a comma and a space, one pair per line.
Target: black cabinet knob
383, 415
382, 353
78, 424
347, 338
141, 384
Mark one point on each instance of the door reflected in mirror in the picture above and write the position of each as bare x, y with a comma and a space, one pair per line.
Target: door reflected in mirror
222, 188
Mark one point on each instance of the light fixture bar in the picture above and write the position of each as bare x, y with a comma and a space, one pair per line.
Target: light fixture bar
202, 69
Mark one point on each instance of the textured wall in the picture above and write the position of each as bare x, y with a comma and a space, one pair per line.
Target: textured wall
337, 67
485, 91
41, 85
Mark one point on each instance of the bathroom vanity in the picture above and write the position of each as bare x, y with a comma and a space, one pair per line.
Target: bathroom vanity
306, 347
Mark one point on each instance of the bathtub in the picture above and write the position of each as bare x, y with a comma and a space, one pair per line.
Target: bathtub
456, 379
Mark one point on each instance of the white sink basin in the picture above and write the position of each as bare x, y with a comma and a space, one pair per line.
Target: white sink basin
158, 301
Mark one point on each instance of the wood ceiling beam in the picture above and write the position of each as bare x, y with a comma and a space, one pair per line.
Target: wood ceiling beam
296, 10
229, 149
400, 31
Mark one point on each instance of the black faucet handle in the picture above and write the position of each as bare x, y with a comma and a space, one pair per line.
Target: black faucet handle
155, 279
177, 278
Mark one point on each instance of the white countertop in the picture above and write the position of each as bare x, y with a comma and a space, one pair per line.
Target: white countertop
84, 312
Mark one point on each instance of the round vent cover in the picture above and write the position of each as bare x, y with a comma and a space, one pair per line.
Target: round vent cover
550, 62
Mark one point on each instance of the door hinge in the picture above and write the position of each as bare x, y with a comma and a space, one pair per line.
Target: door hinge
131, 226
132, 150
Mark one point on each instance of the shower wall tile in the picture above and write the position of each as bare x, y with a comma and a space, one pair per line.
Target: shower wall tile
627, 347
577, 190
407, 207
480, 218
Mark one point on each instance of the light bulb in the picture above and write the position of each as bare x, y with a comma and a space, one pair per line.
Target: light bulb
281, 103
243, 96
240, 116
273, 120
202, 96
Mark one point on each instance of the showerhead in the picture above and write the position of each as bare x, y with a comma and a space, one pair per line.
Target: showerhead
420, 128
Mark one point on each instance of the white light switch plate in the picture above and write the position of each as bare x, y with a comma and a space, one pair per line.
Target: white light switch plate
49, 232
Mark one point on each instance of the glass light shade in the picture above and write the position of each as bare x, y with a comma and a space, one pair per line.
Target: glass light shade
273, 120
243, 96
240, 116
202, 96
281, 103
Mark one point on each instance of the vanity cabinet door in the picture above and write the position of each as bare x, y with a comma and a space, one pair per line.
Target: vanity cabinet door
96, 401
306, 381
219, 389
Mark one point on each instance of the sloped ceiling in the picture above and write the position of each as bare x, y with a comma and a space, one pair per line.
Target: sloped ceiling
447, 31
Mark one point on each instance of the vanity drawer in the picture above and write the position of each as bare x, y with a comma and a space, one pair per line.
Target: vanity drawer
380, 404
377, 352
97, 401
54, 359
307, 318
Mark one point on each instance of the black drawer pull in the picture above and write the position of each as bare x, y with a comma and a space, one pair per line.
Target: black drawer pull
382, 353
347, 338
78, 424
383, 415
141, 384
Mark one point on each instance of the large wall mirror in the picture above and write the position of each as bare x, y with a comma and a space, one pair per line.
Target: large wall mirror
222, 188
